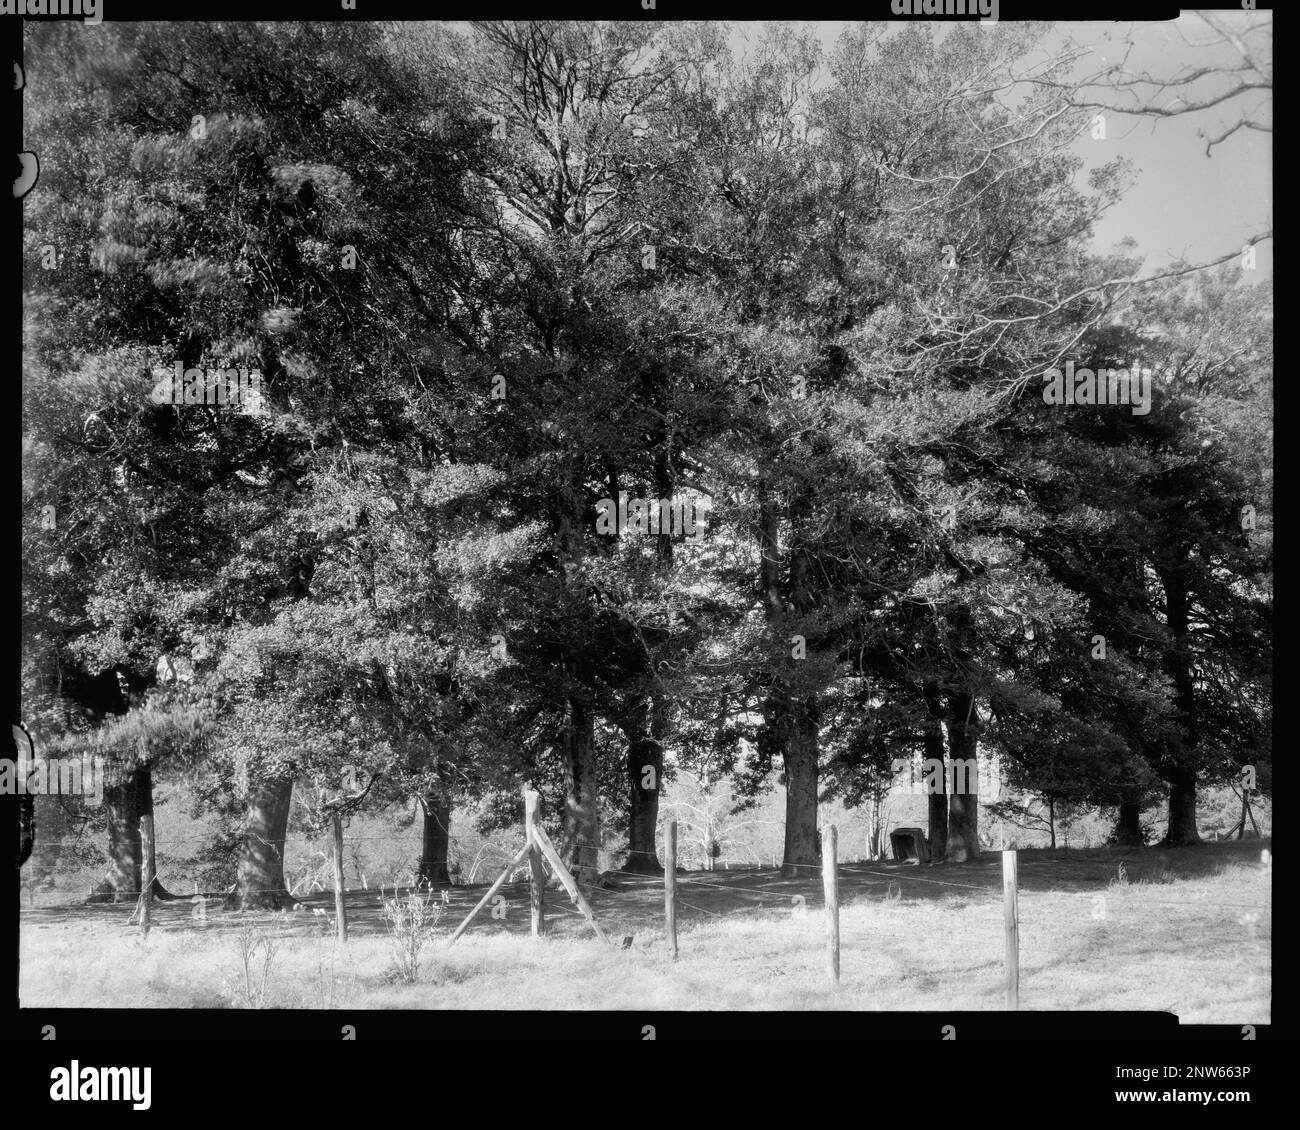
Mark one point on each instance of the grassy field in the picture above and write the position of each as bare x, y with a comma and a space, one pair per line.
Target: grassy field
1185, 931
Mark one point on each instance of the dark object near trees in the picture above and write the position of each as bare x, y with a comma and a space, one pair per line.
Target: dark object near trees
26, 801
910, 843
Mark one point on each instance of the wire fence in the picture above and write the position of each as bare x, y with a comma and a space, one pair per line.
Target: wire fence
880, 934
704, 878
269, 902
705, 895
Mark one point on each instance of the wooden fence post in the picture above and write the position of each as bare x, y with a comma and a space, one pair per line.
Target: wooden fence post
670, 886
1011, 924
146, 874
501, 879
831, 888
340, 907
537, 877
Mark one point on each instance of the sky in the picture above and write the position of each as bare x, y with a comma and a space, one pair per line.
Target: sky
1185, 203
1182, 203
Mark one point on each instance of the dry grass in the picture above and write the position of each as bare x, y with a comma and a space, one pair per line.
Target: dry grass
1183, 931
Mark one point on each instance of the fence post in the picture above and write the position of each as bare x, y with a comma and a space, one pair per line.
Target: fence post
536, 876
487, 898
146, 874
340, 907
831, 888
670, 886
1011, 924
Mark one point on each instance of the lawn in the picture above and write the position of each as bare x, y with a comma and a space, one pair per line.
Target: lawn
1185, 931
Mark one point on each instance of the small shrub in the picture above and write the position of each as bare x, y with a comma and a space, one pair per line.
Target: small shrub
411, 922
255, 955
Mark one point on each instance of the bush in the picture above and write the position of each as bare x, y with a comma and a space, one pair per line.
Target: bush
411, 922
255, 954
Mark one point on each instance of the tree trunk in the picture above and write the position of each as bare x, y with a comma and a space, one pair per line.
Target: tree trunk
144, 793
22, 805
260, 881
937, 801
580, 833
875, 833
95, 697
122, 808
802, 852
437, 839
963, 806
795, 721
1181, 773
16, 817
1128, 827
1182, 810
1051, 820
582, 800
645, 762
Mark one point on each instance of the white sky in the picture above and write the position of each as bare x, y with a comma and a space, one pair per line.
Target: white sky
1182, 203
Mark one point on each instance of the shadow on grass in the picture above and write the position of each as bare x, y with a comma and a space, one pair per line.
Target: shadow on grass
635, 903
